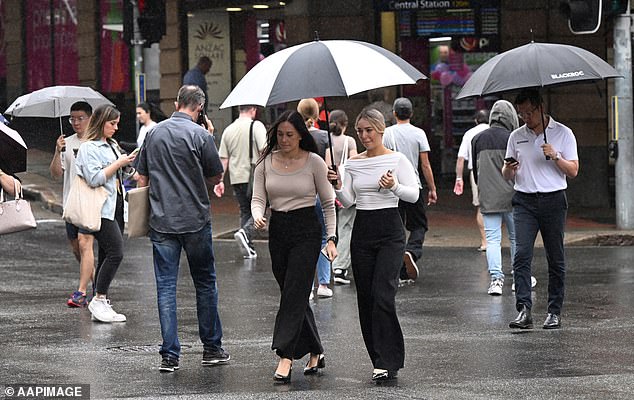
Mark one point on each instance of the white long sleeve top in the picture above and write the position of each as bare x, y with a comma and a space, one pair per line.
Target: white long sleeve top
360, 182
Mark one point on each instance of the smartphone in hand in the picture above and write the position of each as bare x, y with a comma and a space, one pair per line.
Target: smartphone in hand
510, 160
201, 119
135, 151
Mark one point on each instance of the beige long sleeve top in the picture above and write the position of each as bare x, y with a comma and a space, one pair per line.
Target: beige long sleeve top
294, 190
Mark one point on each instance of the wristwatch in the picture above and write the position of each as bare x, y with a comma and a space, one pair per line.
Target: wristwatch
333, 239
557, 156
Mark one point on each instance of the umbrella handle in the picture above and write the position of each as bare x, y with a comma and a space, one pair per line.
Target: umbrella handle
544, 128
332, 154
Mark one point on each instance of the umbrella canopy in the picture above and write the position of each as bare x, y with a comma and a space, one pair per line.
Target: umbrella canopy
319, 69
12, 150
54, 101
536, 65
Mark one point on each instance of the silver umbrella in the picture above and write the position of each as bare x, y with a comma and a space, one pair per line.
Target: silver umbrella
54, 102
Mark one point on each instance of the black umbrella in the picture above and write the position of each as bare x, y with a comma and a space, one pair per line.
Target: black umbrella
12, 150
536, 65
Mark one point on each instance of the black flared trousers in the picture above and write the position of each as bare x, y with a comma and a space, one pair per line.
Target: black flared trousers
376, 248
294, 244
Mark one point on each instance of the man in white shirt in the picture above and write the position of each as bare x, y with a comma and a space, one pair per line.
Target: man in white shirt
412, 142
540, 162
240, 147
481, 119
63, 164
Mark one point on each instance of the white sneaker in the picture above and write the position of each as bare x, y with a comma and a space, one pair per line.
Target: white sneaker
533, 283
495, 287
324, 291
102, 311
243, 243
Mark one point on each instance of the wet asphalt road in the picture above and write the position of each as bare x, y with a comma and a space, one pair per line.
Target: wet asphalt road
458, 345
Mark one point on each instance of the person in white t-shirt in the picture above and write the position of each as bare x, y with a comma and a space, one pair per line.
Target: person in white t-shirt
63, 165
481, 118
540, 160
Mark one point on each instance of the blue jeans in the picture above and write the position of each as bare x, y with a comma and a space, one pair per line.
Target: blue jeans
200, 256
323, 264
493, 231
546, 213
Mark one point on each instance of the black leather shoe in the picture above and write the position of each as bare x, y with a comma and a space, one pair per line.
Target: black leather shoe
321, 363
279, 378
382, 375
524, 319
553, 321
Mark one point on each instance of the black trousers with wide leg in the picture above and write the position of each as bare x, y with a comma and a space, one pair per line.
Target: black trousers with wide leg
294, 244
377, 247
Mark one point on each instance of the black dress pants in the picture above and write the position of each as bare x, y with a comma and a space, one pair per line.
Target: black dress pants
377, 247
294, 244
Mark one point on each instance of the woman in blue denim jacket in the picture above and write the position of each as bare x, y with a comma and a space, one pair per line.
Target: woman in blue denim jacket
99, 162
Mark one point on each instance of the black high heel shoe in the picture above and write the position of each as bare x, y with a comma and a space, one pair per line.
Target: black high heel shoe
321, 363
279, 378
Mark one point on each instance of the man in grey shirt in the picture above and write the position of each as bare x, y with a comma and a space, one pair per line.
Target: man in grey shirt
180, 163
412, 142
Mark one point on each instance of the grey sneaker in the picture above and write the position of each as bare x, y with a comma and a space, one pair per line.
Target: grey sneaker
495, 287
215, 357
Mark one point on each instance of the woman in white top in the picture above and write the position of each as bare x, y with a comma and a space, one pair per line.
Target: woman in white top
343, 147
289, 175
375, 180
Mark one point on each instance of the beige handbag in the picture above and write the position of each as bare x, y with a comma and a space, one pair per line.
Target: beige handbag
138, 212
83, 205
15, 215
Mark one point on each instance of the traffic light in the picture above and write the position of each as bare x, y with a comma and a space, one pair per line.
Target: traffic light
584, 16
152, 21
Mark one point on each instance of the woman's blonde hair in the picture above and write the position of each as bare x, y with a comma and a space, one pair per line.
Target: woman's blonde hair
309, 110
374, 118
98, 120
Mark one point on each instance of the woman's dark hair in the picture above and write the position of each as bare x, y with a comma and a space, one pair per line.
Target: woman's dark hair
294, 118
338, 119
156, 114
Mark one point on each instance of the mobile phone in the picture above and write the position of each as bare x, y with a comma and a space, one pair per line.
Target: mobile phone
510, 160
389, 172
135, 151
201, 118
325, 253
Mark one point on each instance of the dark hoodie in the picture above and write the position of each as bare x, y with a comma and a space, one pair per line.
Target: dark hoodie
488, 150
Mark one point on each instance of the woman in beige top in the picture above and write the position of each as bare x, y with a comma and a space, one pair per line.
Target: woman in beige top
290, 174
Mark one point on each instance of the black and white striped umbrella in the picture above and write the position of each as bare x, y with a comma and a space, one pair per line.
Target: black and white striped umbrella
327, 68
